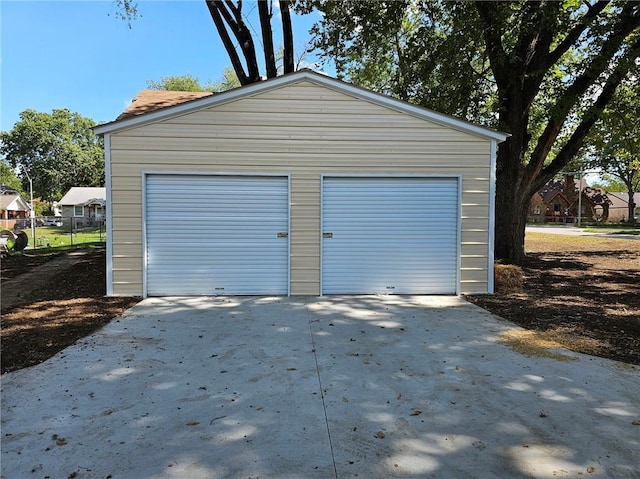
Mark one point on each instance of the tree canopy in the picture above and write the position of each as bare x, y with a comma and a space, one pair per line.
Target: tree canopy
541, 71
8, 176
176, 83
58, 150
614, 142
188, 82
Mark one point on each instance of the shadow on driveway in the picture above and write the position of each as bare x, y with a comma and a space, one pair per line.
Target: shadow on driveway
345, 387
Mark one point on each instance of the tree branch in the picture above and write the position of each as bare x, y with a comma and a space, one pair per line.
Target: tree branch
226, 41
574, 34
242, 34
488, 12
576, 141
575, 91
287, 34
267, 37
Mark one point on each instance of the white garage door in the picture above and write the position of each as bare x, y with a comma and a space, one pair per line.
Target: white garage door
216, 235
390, 235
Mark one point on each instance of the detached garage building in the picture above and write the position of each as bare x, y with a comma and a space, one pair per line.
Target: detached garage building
299, 185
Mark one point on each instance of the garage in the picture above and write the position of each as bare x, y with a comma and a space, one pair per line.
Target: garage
395, 235
300, 184
216, 234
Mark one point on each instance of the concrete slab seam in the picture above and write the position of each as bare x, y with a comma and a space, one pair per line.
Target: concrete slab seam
324, 406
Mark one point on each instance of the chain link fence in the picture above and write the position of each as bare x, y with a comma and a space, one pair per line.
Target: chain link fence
52, 231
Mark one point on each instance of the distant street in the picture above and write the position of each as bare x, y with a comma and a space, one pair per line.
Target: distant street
575, 231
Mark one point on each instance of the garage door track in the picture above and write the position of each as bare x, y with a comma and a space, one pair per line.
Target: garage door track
340, 387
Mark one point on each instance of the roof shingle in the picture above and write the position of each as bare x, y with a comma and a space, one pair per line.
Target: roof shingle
150, 100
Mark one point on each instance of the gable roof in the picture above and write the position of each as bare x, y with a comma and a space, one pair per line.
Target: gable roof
151, 100
165, 111
82, 196
621, 200
13, 202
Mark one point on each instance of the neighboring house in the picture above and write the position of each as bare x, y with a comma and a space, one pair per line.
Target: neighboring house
12, 207
559, 202
619, 209
302, 185
86, 205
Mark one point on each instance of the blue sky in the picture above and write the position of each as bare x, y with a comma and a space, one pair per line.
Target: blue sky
79, 55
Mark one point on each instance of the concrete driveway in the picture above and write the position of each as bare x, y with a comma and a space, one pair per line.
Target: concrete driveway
340, 387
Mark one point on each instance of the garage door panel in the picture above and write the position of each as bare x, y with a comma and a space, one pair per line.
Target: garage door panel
390, 235
216, 235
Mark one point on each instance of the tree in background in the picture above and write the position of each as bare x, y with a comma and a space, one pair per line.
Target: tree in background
188, 82
541, 71
8, 176
609, 184
58, 150
614, 142
176, 83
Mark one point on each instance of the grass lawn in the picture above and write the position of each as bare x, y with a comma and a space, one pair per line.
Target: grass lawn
52, 236
536, 242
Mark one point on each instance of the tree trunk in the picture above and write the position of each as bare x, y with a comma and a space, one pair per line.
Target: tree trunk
287, 36
267, 38
512, 204
631, 207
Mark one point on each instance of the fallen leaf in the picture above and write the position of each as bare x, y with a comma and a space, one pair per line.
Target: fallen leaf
193, 423
636, 423
380, 435
591, 469
61, 442
344, 399
415, 412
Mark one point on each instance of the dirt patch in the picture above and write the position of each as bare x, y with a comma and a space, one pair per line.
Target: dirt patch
66, 304
581, 292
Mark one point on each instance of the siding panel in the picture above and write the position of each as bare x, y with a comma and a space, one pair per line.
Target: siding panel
304, 130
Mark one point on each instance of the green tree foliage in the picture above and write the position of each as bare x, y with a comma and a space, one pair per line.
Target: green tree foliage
188, 82
609, 184
614, 142
228, 81
8, 176
176, 83
541, 71
58, 150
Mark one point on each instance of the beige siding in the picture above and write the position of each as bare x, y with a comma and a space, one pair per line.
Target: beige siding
304, 130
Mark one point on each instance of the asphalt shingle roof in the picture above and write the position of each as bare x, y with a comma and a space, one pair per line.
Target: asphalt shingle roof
150, 100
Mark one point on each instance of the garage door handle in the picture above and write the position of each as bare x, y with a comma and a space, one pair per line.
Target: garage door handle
283, 234
327, 235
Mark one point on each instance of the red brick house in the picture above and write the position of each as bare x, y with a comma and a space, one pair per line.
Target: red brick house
558, 202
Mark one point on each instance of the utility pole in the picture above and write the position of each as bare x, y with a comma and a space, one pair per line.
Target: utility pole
580, 200
32, 214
